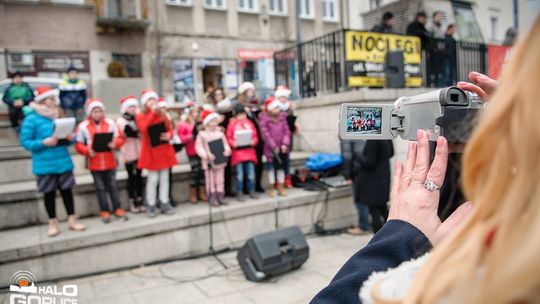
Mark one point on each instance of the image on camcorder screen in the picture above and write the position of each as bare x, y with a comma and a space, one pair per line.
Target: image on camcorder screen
364, 120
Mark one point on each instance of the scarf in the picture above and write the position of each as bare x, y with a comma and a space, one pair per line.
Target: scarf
45, 111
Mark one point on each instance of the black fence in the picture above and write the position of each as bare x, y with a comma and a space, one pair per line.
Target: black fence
323, 61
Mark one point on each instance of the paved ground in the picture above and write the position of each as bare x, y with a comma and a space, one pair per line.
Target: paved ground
203, 280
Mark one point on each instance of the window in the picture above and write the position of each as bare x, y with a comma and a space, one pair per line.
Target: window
373, 4
122, 9
494, 27
330, 10
132, 62
179, 2
248, 6
215, 4
306, 9
467, 25
277, 7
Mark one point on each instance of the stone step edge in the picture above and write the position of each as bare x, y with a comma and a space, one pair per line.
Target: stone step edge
26, 190
174, 222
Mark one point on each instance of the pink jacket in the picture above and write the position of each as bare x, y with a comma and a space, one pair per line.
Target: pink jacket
132, 147
244, 154
201, 146
275, 132
185, 132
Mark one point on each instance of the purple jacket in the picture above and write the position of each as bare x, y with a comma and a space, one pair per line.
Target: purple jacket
274, 132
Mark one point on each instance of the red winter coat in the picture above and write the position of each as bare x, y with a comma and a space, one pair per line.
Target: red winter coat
159, 157
86, 130
185, 132
244, 154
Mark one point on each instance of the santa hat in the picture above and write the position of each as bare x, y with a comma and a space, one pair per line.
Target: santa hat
282, 91
272, 103
92, 104
126, 102
147, 94
43, 92
245, 86
162, 103
208, 116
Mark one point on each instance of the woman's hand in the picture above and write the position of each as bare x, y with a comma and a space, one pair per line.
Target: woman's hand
482, 85
284, 149
412, 202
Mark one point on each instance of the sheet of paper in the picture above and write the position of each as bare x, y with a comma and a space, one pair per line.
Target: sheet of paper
63, 127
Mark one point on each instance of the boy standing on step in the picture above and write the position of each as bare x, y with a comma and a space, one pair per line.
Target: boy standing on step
101, 164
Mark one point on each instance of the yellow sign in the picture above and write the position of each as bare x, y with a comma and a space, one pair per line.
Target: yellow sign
365, 53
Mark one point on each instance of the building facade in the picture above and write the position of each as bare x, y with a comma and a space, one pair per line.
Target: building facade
205, 44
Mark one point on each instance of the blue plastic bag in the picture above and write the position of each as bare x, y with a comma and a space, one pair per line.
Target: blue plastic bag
323, 161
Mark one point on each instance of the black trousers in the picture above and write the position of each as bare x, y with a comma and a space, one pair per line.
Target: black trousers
15, 116
135, 182
196, 176
379, 214
50, 202
259, 167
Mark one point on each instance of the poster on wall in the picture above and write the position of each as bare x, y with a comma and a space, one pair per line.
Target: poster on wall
365, 53
184, 89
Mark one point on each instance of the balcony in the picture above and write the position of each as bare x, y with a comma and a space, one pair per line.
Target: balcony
116, 16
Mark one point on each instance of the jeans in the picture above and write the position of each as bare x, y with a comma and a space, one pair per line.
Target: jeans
78, 114
363, 215
155, 177
247, 168
105, 182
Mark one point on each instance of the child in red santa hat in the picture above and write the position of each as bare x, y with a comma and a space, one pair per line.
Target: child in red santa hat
282, 93
102, 165
277, 139
129, 153
157, 160
214, 174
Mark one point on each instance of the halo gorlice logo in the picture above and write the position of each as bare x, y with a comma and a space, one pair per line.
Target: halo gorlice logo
24, 290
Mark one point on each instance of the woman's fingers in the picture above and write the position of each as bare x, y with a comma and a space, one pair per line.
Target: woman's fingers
421, 165
438, 167
465, 86
409, 165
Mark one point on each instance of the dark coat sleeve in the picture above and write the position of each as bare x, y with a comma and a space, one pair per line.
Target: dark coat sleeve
347, 165
6, 98
395, 243
30, 97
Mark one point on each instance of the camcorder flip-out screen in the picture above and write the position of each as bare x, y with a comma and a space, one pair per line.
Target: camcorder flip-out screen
448, 112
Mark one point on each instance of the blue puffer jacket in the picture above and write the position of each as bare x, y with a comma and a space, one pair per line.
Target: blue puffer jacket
45, 160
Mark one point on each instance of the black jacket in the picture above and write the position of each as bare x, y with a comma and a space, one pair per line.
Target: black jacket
395, 243
371, 173
418, 29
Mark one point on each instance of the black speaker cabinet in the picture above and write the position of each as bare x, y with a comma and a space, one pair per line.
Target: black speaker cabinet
273, 253
394, 69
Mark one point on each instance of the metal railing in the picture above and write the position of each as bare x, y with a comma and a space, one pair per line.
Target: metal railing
323, 64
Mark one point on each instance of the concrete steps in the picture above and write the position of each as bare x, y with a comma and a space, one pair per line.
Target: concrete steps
21, 204
140, 240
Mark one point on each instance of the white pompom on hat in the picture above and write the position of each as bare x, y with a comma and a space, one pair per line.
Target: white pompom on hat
208, 116
92, 104
282, 91
43, 92
147, 94
245, 86
128, 101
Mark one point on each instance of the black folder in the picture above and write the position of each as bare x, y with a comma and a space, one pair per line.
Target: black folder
101, 142
155, 131
218, 149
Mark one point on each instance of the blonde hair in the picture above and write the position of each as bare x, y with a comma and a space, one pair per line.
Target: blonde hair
494, 257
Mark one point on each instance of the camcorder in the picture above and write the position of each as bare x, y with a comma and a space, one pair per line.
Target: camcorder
449, 112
